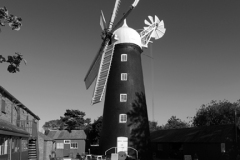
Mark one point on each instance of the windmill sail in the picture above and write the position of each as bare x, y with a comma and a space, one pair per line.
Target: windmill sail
127, 13
93, 71
103, 74
102, 21
94, 68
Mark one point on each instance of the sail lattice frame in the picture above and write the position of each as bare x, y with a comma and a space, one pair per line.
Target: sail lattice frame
103, 74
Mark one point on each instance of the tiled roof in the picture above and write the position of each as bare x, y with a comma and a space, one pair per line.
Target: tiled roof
220, 133
51, 133
7, 128
64, 134
46, 138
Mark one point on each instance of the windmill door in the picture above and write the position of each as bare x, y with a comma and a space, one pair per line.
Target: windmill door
122, 144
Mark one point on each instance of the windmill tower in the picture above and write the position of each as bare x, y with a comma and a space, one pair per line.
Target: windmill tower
118, 71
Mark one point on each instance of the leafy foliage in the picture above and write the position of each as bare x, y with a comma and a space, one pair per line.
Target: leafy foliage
95, 131
14, 62
15, 23
53, 125
175, 123
153, 126
172, 123
216, 113
72, 120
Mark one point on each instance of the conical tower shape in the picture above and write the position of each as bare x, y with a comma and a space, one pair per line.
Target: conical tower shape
125, 118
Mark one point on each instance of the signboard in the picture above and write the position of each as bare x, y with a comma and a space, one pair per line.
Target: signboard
187, 157
122, 144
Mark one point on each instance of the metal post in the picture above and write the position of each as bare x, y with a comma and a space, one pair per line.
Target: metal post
134, 150
109, 149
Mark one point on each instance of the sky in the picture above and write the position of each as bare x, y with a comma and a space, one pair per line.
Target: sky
196, 61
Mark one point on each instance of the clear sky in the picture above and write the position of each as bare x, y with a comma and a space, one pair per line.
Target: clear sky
196, 61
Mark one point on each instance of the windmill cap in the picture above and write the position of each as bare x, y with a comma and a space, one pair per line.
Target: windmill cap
126, 34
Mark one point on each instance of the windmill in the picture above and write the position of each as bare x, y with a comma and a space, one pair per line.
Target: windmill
118, 72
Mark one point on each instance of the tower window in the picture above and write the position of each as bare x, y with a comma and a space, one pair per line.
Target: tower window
122, 118
123, 76
123, 57
123, 97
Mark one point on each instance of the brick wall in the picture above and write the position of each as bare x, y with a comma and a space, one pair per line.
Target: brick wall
12, 110
45, 148
41, 147
49, 148
8, 105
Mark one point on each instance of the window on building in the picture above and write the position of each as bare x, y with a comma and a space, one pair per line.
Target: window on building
27, 119
123, 57
59, 146
123, 76
3, 106
74, 145
67, 141
3, 145
122, 118
15, 144
24, 144
123, 97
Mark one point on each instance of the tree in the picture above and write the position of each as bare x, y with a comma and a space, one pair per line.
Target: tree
53, 125
15, 23
95, 131
216, 113
153, 126
172, 123
175, 123
74, 120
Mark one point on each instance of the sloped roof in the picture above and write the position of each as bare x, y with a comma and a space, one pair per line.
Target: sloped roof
64, 134
4, 92
7, 128
220, 133
51, 133
46, 138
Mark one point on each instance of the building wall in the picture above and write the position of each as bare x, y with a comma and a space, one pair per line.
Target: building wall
72, 152
206, 151
12, 111
136, 127
203, 150
59, 152
49, 147
45, 148
81, 147
9, 107
6, 116
41, 147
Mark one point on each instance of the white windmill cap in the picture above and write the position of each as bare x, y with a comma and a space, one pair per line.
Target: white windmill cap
125, 34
